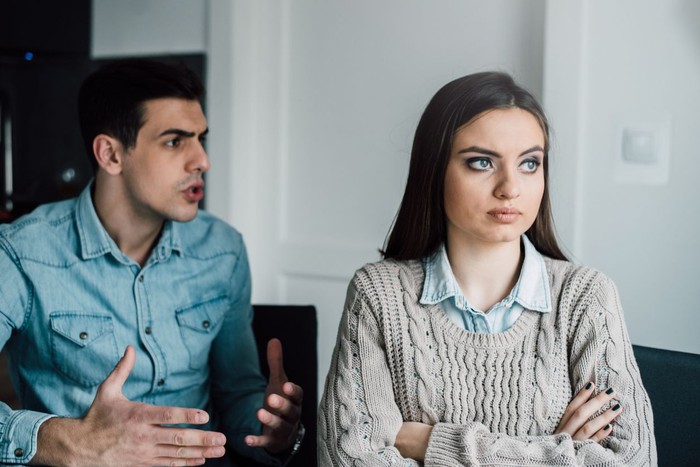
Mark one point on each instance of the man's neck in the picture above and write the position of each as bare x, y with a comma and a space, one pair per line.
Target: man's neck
135, 234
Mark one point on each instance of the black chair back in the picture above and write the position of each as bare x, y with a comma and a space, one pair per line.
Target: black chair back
672, 380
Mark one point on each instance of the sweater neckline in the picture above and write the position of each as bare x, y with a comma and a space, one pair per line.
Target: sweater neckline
511, 336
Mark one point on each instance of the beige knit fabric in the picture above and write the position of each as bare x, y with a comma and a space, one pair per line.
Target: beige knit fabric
493, 399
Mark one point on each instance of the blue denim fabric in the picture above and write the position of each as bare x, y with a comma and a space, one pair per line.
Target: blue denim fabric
531, 292
71, 301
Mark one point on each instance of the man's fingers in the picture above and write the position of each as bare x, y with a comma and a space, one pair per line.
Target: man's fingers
275, 362
294, 392
112, 385
177, 462
163, 415
189, 452
270, 420
283, 407
257, 441
262, 441
188, 437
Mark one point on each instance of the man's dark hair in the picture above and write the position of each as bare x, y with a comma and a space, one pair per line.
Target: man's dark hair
420, 225
111, 100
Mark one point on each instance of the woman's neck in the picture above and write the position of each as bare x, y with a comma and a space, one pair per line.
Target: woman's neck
486, 273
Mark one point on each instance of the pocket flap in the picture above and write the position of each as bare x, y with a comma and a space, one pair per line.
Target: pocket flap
203, 317
80, 328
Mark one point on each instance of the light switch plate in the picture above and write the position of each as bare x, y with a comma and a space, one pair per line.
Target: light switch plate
643, 153
640, 146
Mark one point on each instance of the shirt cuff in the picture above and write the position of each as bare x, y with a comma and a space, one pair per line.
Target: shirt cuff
18, 443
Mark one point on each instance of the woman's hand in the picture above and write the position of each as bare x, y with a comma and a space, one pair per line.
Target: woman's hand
412, 440
577, 420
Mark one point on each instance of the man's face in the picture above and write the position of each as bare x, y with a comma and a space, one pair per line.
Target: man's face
162, 173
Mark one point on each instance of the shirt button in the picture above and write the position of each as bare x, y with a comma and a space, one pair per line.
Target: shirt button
161, 382
140, 278
83, 335
148, 330
206, 324
19, 452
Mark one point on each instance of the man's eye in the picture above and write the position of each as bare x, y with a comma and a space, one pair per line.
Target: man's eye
479, 163
173, 143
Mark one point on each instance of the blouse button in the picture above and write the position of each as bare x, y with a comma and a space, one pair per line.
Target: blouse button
19, 452
83, 335
206, 324
147, 330
140, 278
161, 382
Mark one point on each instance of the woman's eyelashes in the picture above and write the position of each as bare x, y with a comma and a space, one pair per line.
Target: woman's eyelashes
530, 165
481, 164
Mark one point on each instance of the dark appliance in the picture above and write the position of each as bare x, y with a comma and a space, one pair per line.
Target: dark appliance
43, 157
44, 57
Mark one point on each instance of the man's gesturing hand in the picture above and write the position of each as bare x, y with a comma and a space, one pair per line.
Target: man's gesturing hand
282, 407
116, 431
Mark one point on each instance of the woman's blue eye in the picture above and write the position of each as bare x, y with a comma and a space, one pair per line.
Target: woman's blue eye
479, 163
530, 165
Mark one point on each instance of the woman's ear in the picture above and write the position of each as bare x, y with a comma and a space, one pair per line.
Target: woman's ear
108, 153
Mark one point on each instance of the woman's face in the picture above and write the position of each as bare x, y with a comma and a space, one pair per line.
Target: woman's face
494, 180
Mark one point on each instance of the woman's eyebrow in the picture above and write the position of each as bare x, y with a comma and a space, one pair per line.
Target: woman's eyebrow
532, 149
480, 150
489, 152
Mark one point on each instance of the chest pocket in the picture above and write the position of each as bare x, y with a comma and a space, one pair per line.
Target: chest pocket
83, 346
199, 324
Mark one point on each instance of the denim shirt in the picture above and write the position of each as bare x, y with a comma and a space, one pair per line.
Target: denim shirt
71, 301
531, 292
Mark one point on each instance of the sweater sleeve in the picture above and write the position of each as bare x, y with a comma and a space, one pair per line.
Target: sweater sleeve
358, 417
600, 351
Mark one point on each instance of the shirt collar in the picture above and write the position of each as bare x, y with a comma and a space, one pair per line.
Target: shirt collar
95, 241
531, 290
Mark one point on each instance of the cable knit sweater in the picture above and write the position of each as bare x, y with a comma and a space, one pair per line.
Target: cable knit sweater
492, 399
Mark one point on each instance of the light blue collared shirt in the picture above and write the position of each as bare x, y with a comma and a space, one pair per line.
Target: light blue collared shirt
531, 292
71, 301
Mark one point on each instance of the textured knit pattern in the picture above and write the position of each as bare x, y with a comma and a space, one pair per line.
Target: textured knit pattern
493, 399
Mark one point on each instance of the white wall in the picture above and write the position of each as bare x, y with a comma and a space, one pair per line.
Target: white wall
609, 65
148, 27
325, 97
312, 105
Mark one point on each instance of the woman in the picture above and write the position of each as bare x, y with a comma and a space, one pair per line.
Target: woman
474, 342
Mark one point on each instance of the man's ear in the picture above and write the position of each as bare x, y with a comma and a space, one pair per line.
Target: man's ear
109, 153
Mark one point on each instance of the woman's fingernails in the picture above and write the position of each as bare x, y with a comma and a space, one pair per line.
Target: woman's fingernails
616, 408
607, 427
609, 391
589, 386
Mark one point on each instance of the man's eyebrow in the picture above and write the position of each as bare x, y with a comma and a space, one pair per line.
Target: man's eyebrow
488, 152
183, 133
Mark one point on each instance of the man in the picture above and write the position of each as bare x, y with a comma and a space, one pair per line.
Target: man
132, 268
